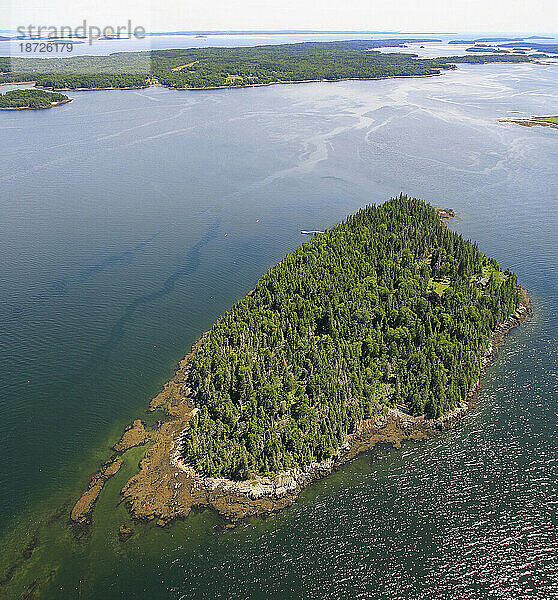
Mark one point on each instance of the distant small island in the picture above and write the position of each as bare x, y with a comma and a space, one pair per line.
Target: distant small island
517, 44
483, 48
548, 121
31, 99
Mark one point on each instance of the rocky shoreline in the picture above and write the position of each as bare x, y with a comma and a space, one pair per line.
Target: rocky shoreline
51, 105
165, 488
529, 122
134, 435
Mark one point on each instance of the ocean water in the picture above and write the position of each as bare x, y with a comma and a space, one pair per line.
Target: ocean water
129, 220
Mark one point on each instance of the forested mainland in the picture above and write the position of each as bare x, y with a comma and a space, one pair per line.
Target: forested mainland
388, 308
199, 68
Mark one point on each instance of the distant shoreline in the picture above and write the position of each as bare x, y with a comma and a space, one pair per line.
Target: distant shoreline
90, 89
240, 67
247, 85
532, 121
299, 81
223, 87
52, 105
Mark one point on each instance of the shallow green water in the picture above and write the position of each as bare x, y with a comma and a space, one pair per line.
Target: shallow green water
113, 215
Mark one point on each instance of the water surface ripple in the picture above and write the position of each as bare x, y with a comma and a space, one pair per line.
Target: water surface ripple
130, 221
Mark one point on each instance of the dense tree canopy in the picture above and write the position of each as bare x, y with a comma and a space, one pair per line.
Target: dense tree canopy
341, 329
30, 99
233, 67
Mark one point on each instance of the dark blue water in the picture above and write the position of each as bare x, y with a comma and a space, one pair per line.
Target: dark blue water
129, 220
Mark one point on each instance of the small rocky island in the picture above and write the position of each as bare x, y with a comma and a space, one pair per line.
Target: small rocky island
31, 99
377, 330
548, 121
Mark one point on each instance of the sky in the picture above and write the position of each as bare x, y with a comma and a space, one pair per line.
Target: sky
536, 16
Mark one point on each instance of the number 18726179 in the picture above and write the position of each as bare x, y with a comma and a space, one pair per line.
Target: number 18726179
45, 47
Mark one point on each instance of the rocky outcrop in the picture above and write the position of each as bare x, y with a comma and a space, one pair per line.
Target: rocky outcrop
83, 508
134, 435
165, 488
445, 213
529, 122
125, 533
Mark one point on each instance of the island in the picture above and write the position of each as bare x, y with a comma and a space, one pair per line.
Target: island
548, 121
31, 99
483, 48
214, 68
547, 48
376, 330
